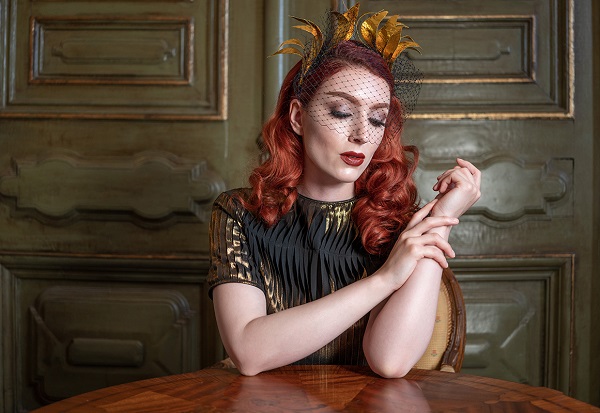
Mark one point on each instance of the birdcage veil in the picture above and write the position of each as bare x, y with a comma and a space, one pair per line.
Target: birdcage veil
384, 39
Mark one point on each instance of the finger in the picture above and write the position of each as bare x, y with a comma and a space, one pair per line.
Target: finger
436, 255
448, 174
453, 178
426, 209
449, 171
449, 182
421, 214
428, 224
427, 246
466, 164
476, 173
445, 174
473, 171
440, 243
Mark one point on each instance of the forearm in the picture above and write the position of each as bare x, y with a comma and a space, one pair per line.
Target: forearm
265, 342
400, 328
399, 331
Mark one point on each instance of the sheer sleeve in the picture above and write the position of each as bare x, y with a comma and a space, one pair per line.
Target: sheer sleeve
230, 259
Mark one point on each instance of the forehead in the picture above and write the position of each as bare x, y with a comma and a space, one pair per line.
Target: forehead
357, 82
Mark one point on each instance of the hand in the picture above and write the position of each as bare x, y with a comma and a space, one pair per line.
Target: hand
417, 242
458, 189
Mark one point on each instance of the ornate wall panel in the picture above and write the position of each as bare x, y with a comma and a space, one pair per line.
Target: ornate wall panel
80, 333
150, 189
519, 320
114, 140
493, 60
517, 191
160, 60
77, 331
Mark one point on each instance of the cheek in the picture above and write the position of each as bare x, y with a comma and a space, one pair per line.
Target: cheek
318, 151
372, 150
314, 150
320, 139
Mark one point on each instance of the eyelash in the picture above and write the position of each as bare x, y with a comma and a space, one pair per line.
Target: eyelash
376, 122
340, 115
343, 115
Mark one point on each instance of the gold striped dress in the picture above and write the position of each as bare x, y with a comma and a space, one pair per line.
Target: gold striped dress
311, 252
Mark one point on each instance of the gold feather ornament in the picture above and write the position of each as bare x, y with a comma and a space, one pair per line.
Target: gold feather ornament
344, 29
377, 32
388, 40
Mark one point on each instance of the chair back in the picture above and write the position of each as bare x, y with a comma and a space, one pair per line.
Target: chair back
446, 348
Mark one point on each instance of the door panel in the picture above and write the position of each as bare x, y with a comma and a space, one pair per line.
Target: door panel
519, 311
102, 61
120, 122
502, 81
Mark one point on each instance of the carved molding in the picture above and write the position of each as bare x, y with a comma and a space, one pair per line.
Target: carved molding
93, 66
111, 322
150, 189
513, 190
474, 54
104, 267
8, 348
91, 50
170, 285
500, 61
528, 287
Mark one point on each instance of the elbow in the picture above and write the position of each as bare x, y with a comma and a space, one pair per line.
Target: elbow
390, 370
248, 369
389, 365
388, 360
247, 366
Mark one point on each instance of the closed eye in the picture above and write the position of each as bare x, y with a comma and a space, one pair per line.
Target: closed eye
340, 115
377, 122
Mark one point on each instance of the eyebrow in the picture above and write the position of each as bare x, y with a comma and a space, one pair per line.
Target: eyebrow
354, 100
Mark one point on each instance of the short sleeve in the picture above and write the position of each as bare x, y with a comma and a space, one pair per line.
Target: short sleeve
230, 257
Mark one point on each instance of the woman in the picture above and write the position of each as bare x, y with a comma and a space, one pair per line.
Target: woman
327, 259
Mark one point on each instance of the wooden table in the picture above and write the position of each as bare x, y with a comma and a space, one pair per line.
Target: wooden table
320, 389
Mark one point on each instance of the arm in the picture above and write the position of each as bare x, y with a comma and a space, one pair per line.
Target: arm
256, 341
400, 328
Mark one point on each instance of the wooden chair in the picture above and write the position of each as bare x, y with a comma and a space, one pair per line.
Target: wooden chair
446, 348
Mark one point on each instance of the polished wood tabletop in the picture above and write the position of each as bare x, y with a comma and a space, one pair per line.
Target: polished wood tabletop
320, 389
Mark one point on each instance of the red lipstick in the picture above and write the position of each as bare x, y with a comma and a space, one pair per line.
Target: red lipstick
353, 158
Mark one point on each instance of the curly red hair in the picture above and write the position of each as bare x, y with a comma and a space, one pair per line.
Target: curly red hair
386, 192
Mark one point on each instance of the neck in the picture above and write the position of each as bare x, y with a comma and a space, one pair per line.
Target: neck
327, 193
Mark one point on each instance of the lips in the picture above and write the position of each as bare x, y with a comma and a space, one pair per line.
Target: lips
353, 158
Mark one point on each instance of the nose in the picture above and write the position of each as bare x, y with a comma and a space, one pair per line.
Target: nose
359, 130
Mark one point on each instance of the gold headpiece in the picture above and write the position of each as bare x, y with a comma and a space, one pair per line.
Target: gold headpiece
388, 40
353, 117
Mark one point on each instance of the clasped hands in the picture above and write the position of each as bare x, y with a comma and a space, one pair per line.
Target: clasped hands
426, 234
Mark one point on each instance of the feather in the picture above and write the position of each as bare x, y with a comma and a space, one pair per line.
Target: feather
388, 40
402, 46
346, 23
288, 50
368, 29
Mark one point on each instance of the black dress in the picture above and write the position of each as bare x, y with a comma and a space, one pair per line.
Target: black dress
312, 251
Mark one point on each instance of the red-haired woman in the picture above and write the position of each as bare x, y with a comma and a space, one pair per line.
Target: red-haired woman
327, 258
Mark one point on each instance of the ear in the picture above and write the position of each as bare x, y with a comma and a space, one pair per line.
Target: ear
296, 116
